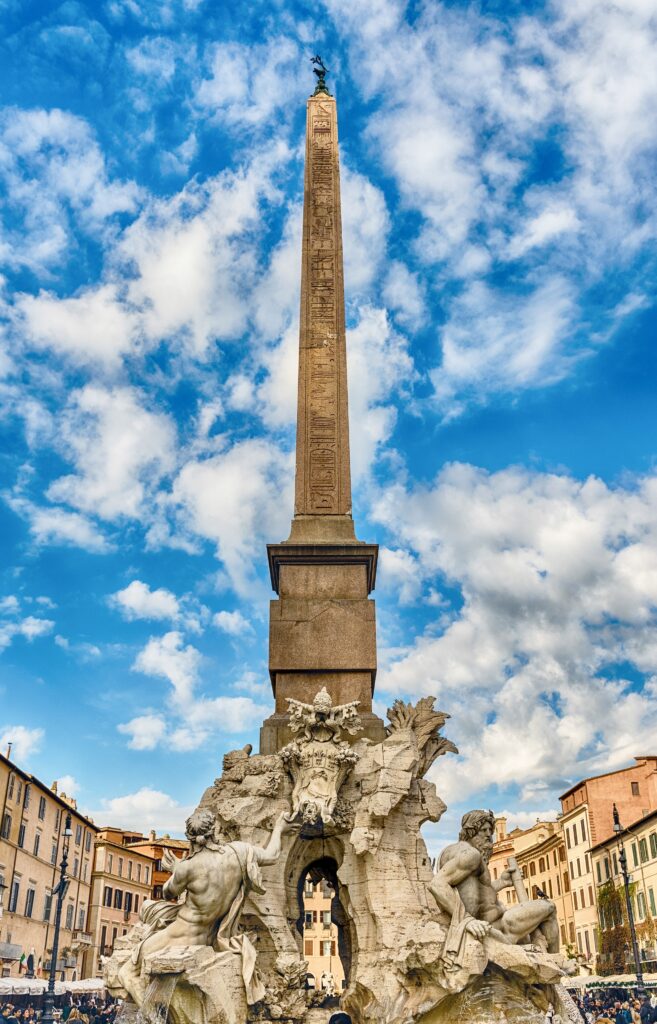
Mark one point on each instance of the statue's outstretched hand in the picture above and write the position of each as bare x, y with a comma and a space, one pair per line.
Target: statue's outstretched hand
479, 929
287, 822
169, 860
506, 879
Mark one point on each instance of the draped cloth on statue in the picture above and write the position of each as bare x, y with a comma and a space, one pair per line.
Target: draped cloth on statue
158, 914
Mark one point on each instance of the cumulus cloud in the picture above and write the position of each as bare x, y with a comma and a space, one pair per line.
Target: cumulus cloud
145, 731
24, 741
120, 449
143, 810
30, 627
168, 658
138, 601
557, 581
232, 623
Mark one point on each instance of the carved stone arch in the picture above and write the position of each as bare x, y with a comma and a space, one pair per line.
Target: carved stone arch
320, 857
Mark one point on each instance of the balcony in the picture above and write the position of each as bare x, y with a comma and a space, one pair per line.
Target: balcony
83, 938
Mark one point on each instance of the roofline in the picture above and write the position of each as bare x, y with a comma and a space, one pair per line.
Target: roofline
32, 779
108, 842
604, 775
626, 830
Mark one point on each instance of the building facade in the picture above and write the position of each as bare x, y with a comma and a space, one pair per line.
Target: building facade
639, 839
122, 880
587, 821
155, 847
320, 936
32, 824
541, 855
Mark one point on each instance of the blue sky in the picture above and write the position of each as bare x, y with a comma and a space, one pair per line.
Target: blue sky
498, 177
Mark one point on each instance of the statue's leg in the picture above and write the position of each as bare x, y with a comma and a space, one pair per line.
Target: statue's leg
535, 918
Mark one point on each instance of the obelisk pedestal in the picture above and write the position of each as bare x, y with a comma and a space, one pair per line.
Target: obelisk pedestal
322, 627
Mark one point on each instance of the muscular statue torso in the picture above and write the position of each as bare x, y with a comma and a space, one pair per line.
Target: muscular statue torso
475, 889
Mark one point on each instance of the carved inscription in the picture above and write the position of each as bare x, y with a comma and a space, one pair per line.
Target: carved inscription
322, 476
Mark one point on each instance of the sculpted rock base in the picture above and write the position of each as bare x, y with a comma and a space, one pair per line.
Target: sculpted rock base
493, 998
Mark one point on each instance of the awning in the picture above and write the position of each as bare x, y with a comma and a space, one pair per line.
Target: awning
10, 951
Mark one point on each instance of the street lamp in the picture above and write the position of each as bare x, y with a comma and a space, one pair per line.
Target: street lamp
60, 890
622, 858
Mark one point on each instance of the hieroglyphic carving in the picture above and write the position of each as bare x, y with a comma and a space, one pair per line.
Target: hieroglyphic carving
322, 330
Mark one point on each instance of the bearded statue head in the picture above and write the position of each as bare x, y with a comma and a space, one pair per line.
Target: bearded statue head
478, 829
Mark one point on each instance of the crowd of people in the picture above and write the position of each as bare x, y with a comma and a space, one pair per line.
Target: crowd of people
68, 1010
617, 1006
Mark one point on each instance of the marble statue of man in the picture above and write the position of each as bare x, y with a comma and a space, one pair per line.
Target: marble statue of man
216, 879
463, 888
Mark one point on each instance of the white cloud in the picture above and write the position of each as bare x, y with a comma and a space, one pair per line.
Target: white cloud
559, 588
138, 601
145, 731
68, 784
24, 741
143, 810
121, 450
92, 329
237, 499
167, 658
232, 623
58, 526
403, 294
52, 169
30, 628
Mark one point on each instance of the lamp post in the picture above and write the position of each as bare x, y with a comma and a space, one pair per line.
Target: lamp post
60, 890
622, 858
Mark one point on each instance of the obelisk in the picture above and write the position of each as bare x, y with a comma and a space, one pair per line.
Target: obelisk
322, 627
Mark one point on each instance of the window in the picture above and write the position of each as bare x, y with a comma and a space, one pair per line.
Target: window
579, 942
29, 902
158, 865
28, 794
78, 834
598, 873
81, 919
53, 853
87, 841
635, 789
139, 872
19, 790
571, 930
115, 932
615, 860
42, 807
532, 868
110, 861
582, 896
563, 934
107, 896
566, 882
13, 897
10, 791
562, 854
309, 887
129, 869
314, 917
120, 867
591, 900
541, 864
641, 905
146, 875
554, 858
136, 903
635, 855
582, 828
6, 826
69, 916
567, 837
587, 943
572, 869
47, 906
128, 902
309, 919
549, 884
558, 886
103, 939
326, 947
308, 947
21, 836
643, 850
651, 901
607, 868
157, 892
37, 843
586, 862
575, 900
76, 867
326, 918
579, 869
118, 899
653, 844
58, 818
84, 872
